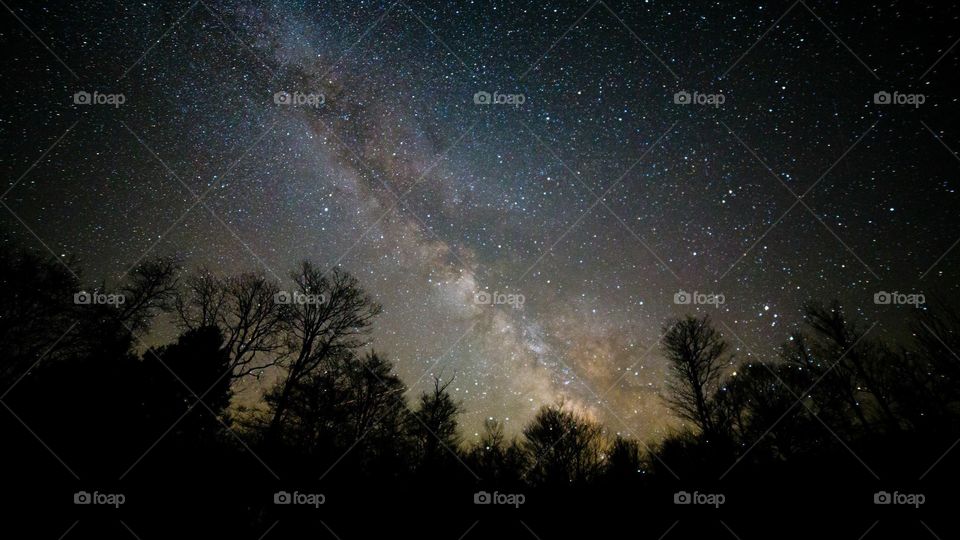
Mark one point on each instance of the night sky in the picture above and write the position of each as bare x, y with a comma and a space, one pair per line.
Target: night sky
598, 198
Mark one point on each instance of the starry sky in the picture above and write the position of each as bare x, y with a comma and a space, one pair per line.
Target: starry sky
598, 198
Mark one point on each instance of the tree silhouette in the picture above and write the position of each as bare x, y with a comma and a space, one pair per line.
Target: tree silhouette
333, 319
79, 378
433, 427
566, 449
196, 366
495, 459
245, 309
697, 359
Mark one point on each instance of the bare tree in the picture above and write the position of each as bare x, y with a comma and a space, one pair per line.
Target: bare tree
329, 313
566, 448
151, 290
246, 310
696, 353
434, 426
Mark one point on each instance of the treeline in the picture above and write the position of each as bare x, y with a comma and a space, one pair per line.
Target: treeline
79, 381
